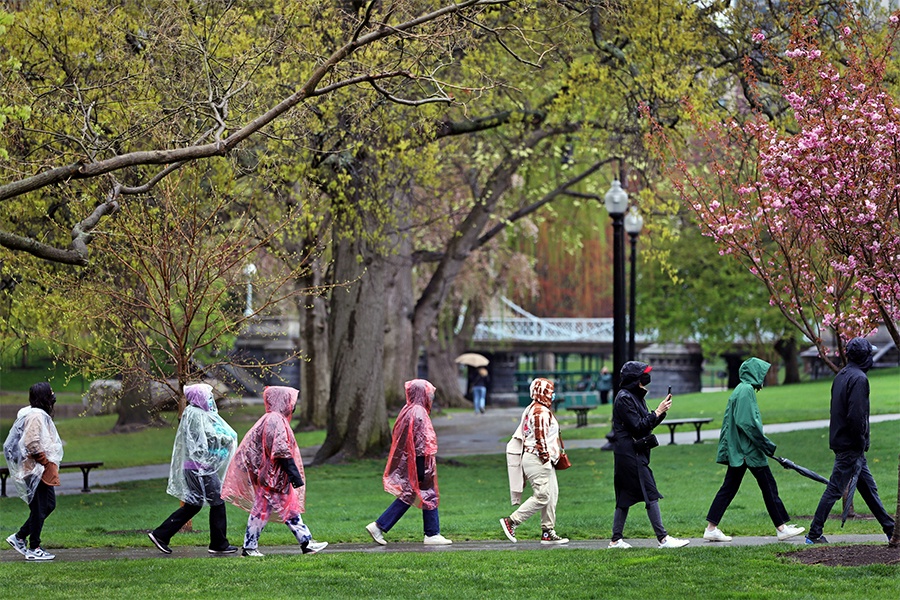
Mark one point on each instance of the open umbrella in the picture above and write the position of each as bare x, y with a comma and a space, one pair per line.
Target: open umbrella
472, 359
789, 464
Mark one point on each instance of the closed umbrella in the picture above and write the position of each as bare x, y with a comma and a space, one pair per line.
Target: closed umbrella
472, 359
789, 464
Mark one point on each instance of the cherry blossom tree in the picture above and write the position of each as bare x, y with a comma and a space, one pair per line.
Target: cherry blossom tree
811, 205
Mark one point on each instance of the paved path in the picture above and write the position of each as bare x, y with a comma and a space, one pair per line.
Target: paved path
90, 554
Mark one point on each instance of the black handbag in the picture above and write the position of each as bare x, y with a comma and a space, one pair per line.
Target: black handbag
645, 443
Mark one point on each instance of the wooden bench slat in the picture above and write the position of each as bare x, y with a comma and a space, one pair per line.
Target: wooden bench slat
85, 467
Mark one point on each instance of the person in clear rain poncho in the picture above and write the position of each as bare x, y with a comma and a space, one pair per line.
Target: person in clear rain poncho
411, 471
267, 475
204, 445
33, 452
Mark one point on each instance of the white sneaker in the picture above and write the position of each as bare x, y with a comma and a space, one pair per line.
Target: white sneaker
789, 531
17, 544
376, 533
313, 547
671, 542
437, 540
251, 552
715, 535
38, 554
619, 544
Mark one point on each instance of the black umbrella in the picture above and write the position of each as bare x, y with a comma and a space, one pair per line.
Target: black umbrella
851, 489
789, 464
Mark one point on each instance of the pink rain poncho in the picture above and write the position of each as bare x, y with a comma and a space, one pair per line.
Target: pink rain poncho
33, 433
254, 475
413, 438
204, 445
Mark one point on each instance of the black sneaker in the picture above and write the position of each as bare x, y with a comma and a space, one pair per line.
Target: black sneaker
816, 540
226, 550
162, 547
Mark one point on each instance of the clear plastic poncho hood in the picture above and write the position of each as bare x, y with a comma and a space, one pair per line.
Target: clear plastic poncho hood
255, 472
204, 446
32, 433
414, 436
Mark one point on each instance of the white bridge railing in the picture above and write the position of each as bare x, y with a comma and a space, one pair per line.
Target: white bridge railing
544, 330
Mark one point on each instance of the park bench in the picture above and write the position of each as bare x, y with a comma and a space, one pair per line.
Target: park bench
581, 403
84, 466
673, 423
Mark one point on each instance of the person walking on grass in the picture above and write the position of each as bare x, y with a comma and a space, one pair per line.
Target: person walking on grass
633, 425
266, 475
411, 471
849, 440
204, 446
33, 452
743, 447
535, 447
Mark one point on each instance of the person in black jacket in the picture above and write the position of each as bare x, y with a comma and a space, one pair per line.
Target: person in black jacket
633, 479
849, 440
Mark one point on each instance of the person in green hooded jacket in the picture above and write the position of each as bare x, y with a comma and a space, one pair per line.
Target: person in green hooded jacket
743, 446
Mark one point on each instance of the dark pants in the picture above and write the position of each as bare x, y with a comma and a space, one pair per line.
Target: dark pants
398, 508
845, 465
218, 525
41, 505
732, 484
621, 514
604, 396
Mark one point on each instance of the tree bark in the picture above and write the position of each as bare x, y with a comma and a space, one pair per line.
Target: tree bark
895, 537
357, 423
787, 349
315, 369
135, 406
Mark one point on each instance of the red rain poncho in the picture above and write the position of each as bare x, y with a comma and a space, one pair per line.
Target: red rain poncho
414, 437
255, 473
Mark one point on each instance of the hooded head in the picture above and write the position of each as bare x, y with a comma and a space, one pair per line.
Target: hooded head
634, 374
280, 399
41, 396
753, 371
541, 391
421, 392
201, 396
861, 352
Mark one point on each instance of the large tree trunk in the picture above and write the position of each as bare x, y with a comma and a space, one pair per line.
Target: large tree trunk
135, 407
357, 423
315, 368
787, 349
400, 351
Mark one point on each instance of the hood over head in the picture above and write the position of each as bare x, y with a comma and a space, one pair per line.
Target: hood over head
280, 399
421, 392
753, 371
861, 352
201, 396
634, 373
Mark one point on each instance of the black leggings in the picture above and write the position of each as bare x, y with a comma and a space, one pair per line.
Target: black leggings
41, 506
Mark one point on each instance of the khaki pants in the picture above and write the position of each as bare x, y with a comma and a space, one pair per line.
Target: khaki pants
544, 492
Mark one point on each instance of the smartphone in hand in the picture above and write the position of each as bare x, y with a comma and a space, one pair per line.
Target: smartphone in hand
670, 391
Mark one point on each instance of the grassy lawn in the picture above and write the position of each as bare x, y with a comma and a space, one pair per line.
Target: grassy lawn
343, 498
559, 573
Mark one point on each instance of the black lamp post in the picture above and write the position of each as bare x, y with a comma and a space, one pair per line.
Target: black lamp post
634, 222
616, 201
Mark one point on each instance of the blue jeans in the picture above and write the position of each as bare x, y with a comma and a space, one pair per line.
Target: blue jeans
478, 394
845, 464
398, 508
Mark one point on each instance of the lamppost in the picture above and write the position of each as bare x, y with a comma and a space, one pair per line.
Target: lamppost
634, 222
249, 272
616, 201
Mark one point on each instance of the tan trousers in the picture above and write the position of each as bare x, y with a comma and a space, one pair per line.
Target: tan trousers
544, 492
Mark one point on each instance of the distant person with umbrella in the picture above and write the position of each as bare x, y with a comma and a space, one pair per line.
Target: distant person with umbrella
479, 389
849, 440
743, 447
